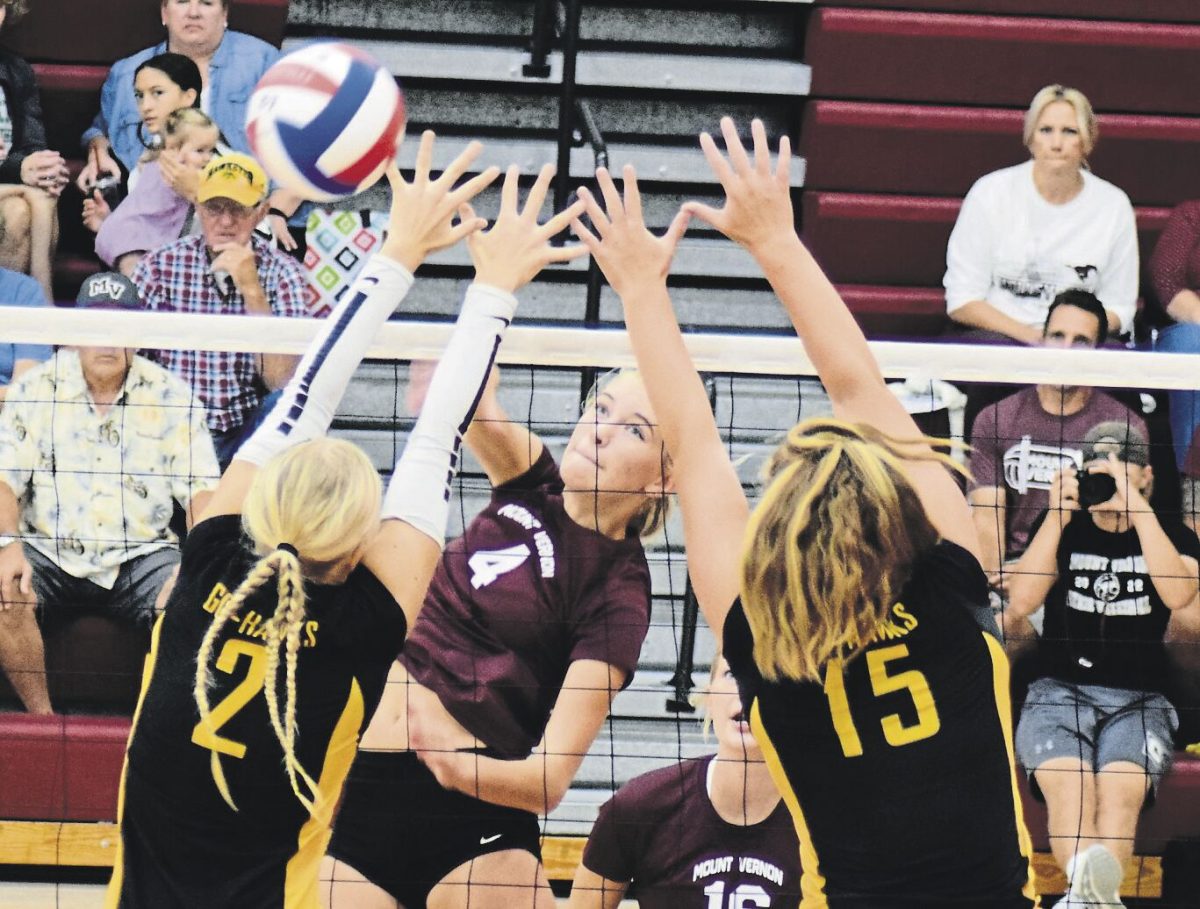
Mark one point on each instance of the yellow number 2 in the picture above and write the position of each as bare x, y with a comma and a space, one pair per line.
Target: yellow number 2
205, 734
894, 731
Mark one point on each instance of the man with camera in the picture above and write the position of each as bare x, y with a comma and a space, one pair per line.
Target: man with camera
1096, 730
1019, 442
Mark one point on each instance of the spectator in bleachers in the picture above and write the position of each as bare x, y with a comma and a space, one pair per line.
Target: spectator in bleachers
18, 290
31, 175
161, 207
1021, 441
1096, 730
230, 65
96, 446
701, 832
162, 85
1028, 232
1175, 308
227, 269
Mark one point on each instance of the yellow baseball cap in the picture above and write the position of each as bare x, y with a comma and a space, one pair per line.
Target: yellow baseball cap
233, 176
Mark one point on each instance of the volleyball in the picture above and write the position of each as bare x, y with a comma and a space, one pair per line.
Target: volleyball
325, 121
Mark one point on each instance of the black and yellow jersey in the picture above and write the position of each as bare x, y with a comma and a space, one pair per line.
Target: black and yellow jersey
898, 769
181, 843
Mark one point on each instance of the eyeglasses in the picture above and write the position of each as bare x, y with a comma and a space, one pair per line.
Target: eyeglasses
220, 208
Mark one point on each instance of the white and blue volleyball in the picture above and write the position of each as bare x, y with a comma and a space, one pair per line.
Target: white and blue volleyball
325, 121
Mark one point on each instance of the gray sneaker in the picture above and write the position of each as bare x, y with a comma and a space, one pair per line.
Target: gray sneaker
1097, 880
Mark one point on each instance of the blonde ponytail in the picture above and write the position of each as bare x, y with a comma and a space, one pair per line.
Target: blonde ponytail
320, 498
831, 544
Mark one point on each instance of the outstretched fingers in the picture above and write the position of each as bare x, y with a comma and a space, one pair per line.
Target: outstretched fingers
612, 199
456, 168
562, 220
509, 191
716, 160
784, 166
632, 196
537, 193
600, 222
424, 157
733, 145
473, 187
762, 147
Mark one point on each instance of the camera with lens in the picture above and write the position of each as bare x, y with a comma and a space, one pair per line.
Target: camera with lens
110, 189
1095, 488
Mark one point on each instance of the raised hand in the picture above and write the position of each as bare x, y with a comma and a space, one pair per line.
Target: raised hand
517, 247
422, 211
626, 251
95, 210
758, 202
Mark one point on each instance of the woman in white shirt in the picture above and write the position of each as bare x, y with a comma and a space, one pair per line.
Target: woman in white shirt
1027, 232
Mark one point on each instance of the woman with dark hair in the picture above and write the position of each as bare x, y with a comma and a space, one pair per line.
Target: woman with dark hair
31, 176
847, 603
230, 64
161, 86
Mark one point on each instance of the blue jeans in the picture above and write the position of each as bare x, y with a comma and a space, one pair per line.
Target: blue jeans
1182, 337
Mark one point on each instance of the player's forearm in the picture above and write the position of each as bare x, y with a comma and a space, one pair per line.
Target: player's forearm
672, 383
537, 783
1037, 569
1174, 579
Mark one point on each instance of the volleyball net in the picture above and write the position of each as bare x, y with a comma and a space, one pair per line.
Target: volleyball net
760, 385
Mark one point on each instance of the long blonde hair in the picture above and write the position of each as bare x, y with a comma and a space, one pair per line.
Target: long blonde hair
319, 499
831, 544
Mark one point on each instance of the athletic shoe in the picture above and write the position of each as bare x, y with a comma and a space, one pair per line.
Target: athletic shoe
1097, 879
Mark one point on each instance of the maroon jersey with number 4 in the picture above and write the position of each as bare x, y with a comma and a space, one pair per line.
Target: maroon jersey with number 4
523, 593
661, 832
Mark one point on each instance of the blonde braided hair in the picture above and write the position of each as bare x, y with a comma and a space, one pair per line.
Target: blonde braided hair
321, 497
258, 576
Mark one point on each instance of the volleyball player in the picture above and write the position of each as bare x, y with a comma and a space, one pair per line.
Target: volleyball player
534, 620
293, 597
880, 706
710, 831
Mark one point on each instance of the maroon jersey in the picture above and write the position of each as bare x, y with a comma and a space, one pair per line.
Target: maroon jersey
661, 832
523, 593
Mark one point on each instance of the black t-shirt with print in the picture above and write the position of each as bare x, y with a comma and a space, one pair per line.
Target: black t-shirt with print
1105, 621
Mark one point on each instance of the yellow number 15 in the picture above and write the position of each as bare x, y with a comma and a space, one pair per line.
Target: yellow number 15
910, 680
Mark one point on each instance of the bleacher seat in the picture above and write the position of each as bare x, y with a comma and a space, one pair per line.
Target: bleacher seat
1000, 60
873, 147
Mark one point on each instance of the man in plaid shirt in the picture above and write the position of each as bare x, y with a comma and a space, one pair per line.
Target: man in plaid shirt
227, 269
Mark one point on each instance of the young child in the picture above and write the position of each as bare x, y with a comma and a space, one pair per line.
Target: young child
160, 207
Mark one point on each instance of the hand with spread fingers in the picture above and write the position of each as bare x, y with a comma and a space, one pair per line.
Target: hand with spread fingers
423, 210
758, 202
624, 248
517, 247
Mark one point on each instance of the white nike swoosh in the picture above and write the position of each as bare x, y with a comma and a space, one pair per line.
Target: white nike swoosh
484, 840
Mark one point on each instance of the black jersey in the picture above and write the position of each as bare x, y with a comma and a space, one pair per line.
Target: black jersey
182, 845
899, 770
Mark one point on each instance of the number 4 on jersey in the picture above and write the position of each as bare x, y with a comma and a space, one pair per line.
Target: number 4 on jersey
488, 564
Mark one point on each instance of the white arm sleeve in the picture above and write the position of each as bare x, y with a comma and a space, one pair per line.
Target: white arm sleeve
419, 491
306, 407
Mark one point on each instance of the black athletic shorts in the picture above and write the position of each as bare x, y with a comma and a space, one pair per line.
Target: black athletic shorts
402, 831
